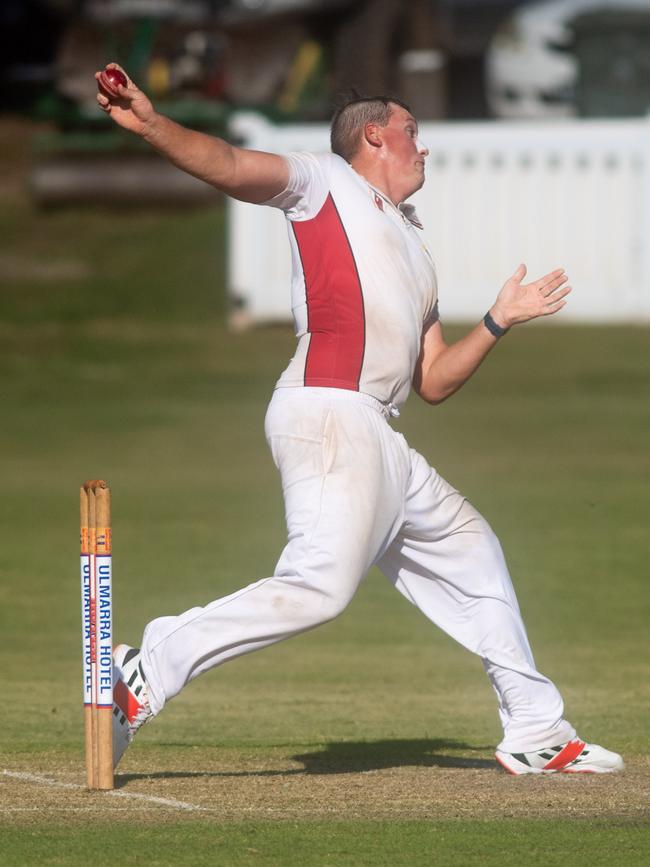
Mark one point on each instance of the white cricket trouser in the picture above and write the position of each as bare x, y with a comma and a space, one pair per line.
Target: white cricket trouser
357, 495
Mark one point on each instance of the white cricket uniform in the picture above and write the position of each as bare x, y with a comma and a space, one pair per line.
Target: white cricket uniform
355, 494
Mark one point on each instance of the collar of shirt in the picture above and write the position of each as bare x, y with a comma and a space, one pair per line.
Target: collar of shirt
404, 209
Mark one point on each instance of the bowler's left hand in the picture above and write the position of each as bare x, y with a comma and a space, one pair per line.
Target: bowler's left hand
519, 302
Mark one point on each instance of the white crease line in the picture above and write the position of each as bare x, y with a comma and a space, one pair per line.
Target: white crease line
167, 802
153, 799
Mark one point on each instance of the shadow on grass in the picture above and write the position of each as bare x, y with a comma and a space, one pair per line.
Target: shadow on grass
354, 757
350, 757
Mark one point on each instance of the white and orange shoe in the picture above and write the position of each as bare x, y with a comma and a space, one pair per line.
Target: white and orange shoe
130, 701
574, 757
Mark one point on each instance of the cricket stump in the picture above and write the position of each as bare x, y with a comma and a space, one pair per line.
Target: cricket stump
97, 631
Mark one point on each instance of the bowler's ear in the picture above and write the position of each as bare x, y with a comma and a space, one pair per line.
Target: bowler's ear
372, 135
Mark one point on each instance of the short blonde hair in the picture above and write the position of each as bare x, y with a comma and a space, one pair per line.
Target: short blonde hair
351, 117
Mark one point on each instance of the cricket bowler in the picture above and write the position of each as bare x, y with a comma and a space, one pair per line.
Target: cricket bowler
365, 304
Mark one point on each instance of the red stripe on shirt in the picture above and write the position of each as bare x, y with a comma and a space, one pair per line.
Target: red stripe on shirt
335, 312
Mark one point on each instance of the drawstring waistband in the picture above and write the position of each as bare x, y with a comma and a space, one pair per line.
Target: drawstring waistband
388, 410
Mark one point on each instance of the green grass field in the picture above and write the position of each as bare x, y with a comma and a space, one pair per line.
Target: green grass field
370, 740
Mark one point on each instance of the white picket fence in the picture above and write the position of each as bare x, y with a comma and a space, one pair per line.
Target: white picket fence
573, 193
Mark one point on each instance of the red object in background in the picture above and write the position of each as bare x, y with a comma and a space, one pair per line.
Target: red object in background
110, 79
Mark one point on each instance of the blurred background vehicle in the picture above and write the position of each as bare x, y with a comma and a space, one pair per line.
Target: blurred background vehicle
547, 59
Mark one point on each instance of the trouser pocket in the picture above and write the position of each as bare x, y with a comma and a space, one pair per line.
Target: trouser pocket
302, 439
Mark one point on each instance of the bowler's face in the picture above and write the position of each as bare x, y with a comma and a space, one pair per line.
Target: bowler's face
404, 152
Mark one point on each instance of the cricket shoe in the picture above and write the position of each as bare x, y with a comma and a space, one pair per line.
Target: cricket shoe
131, 708
574, 757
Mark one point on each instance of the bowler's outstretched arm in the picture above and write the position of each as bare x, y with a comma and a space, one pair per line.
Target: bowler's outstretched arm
251, 176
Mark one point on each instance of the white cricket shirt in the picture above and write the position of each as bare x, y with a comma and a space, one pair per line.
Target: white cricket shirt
363, 283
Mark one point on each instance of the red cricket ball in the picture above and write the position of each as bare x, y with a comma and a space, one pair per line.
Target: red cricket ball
110, 79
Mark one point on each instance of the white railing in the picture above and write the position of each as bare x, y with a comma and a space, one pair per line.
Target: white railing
574, 194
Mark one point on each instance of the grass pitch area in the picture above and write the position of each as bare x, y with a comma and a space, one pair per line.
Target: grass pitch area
370, 740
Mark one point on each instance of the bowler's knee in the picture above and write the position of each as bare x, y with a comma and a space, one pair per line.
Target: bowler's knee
481, 531
310, 601
332, 606
319, 607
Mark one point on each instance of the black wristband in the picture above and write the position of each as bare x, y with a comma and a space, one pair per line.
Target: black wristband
494, 329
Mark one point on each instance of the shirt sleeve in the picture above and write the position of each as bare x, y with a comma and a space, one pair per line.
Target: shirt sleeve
308, 186
434, 316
